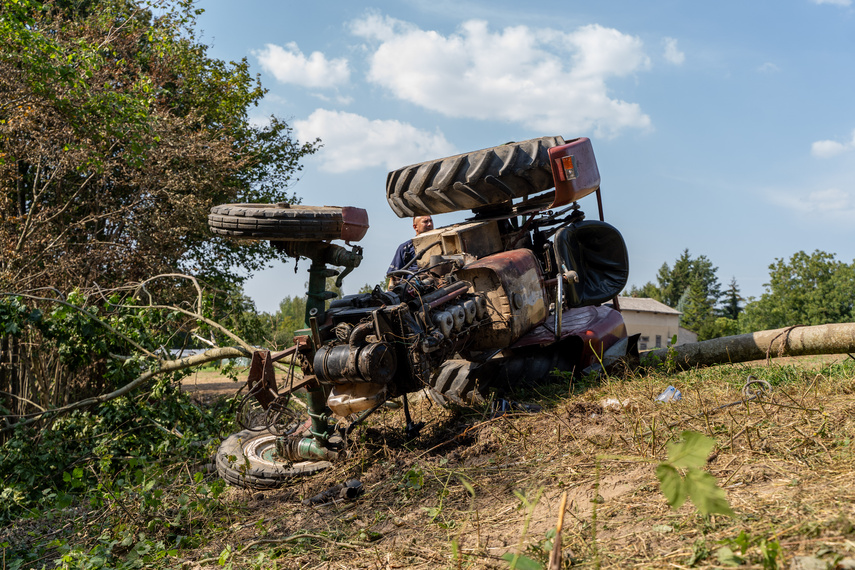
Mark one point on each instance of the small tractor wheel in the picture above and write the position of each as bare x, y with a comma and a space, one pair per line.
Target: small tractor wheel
276, 222
473, 180
248, 459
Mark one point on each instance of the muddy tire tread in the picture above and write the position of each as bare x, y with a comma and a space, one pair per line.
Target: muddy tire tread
454, 383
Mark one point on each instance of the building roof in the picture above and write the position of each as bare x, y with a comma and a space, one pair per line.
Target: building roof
645, 305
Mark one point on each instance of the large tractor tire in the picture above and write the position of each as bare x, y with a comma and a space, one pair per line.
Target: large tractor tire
473, 180
276, 222
248, 459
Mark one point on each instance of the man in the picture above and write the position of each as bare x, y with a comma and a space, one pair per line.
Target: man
406, 251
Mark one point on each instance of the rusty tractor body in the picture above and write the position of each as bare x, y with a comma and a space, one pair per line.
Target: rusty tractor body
512, 294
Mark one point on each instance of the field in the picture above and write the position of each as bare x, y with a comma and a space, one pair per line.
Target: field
477, 488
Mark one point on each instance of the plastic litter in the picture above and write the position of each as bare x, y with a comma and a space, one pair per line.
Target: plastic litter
502, 406
671, 394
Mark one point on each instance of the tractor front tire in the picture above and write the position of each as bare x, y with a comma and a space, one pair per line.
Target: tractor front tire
282, 222
248, 459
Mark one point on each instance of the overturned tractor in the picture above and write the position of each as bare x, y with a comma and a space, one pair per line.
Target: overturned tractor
511, 294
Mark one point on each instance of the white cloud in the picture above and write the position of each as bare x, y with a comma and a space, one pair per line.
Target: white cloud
289, 65
382, 28
768, 67
834, 2
832, 204
828, 149
353, 142
547, 80
672, 53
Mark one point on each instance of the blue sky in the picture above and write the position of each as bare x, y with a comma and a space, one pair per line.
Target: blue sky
727, 128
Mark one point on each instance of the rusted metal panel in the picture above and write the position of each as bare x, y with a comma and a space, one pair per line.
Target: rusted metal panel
261, 381
477, 239
355, 223
512, 284
574, 170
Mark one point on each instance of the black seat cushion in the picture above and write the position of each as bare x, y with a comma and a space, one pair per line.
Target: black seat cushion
596, 251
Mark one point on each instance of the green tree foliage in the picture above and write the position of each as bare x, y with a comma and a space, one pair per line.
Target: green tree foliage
689, 271
732, 301
53, 467
691, 287
117, 134
648, 290
807, 289
289, 318
279, 328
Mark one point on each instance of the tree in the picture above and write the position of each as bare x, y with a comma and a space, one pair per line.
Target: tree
291, 317
731, 301
687, 271
117, 135
692, 288
807, 289
648, 290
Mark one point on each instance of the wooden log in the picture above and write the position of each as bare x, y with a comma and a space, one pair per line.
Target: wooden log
791, 341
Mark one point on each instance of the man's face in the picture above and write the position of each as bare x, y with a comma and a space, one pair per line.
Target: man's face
422, 224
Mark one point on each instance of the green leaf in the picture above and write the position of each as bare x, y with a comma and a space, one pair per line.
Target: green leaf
743, 541
522, 562
672, 484
726, 557
771, 551
707, 496
63, 500
692, 452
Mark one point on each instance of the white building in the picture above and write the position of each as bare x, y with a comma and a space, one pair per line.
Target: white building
657, 323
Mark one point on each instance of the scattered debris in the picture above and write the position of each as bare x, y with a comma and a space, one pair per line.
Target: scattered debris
351, 489
671, 394
502, 406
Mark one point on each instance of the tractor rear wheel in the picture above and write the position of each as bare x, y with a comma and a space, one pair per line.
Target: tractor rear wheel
472, 180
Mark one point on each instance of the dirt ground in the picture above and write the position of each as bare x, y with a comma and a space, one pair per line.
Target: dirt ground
205, 385
476, 486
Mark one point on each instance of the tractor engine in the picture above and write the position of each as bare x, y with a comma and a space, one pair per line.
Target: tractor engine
383, 344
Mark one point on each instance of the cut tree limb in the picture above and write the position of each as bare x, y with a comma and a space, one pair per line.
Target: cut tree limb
163, 367
797, 340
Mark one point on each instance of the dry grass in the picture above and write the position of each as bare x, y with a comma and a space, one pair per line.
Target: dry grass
452, 499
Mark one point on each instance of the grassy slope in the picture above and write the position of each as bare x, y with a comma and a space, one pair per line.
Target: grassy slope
474, 487
453, 498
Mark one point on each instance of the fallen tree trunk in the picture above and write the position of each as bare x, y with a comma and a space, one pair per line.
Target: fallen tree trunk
798, 340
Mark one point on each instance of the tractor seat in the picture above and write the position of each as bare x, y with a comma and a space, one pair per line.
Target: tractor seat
597, 253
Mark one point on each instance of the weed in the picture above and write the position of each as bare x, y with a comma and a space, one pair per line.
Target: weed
516, 560
697, 485
768, 550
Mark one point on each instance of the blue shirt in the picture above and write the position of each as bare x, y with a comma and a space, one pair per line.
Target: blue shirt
405, 252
